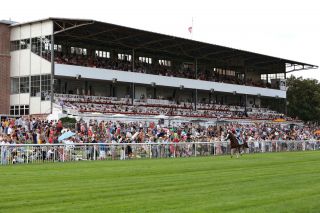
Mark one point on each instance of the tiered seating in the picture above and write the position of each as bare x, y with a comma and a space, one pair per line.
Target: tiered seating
107, 105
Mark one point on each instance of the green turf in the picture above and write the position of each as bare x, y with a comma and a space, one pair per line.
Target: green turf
274, 182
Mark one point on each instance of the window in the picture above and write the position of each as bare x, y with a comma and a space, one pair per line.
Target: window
35, 85
78, 51
35, 45
280, 76
46, 47
165, 63
188, 66
264, 77
25, 44
14, 45
57, 47
230, 73
45, 87
272, 76
12, 110
145, 60
124, 57
24, 84
19, 110
14, 85
102, 54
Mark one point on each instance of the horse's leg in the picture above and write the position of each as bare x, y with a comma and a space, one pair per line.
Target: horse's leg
231, 152
238, 151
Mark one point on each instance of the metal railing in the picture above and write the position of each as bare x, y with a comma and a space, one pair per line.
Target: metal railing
40, 153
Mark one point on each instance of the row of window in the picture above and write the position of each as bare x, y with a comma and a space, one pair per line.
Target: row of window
35, 45
20, 44
38, 85
19, 110
268, 77
121, 56
78, 51
225, 71
45, 42
102, 54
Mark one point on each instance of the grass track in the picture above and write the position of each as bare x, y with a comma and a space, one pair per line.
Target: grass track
273, 182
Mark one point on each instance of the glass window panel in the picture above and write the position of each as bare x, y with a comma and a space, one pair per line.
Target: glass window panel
35, 85
14, 85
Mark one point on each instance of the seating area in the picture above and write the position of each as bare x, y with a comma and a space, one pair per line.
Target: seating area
162, 69
152, 107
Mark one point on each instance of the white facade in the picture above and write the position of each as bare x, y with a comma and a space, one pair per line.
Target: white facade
25, 63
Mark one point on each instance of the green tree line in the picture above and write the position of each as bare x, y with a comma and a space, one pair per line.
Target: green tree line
303, 99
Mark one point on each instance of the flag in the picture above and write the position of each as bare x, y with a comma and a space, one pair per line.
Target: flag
190, 29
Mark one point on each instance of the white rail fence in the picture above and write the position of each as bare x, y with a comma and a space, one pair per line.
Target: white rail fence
40, 153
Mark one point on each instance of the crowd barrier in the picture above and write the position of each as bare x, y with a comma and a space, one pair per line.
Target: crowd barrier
40, 153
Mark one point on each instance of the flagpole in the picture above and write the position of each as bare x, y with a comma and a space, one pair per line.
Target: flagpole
192, 30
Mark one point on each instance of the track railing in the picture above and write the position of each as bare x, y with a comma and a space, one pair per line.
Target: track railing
40, 153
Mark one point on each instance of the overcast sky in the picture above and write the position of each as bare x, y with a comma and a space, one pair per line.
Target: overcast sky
283, 28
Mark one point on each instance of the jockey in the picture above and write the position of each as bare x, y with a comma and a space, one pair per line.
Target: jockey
239, 136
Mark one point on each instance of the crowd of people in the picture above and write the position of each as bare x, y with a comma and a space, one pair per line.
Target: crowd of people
107, 105
36, 131
156, 69
260, 136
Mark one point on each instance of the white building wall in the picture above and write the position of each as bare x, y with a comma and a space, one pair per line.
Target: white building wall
36, 29
45, 107
24, 98
24, 68
35, 64
25, 31
15, 99
15, 63
26, 63
46, 28
15, 33
35, 105
45, 66
20, 99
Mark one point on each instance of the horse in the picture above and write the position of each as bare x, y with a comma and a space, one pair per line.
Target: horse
236, 144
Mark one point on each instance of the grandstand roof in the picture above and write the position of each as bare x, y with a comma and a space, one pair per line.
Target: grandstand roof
7, 22
96, 33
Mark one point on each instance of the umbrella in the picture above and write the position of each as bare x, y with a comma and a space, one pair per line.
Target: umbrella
66, 135
177, 116
279, 120
119, 115
161, 116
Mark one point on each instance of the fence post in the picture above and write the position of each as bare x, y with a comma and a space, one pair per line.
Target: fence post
94, 152
54, 154
27, 154
195, 149
1, 155
63, 153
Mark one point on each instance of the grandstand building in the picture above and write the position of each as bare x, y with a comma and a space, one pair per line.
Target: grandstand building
91, 64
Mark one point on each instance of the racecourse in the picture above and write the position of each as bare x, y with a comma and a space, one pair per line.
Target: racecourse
269, 182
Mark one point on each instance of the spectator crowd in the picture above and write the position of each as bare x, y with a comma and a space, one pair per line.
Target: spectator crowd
152, 107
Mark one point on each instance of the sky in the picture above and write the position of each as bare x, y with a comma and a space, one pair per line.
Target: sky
280, 28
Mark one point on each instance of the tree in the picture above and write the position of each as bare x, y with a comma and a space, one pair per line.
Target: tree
303, 96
